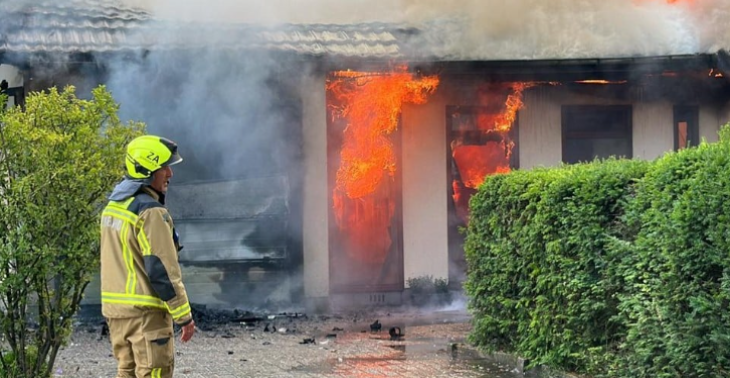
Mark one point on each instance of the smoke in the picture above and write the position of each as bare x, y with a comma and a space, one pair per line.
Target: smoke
226, 107
218, 106
235, 115
533, 29
234, 112
496, 29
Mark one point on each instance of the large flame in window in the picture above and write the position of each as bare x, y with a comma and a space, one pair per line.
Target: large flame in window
370, 105
481, 143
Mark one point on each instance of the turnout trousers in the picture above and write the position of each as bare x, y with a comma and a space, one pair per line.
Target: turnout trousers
143, 346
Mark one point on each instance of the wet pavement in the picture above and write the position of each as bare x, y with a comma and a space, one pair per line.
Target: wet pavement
425, 344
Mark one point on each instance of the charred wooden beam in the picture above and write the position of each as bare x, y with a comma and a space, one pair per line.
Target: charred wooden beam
568, 70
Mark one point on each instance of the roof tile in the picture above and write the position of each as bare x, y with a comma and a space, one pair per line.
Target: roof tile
82, 26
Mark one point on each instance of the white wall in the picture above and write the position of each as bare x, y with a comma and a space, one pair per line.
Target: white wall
710, 122
12, 75
723, 116
316, 194
540, 141
425, 232
653, 126
539, 133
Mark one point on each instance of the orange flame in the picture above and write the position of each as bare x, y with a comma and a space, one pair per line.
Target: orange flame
475, 162
596, 81
512, 105
370, 104
714, 73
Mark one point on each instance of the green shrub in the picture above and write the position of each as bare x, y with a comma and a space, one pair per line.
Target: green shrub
676, 269
614, 268
421, 284
10, 364
59, 157
425, 291
537, 261
441, 286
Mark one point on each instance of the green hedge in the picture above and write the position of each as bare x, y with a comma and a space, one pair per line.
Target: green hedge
676, 268
618, 268
536, 253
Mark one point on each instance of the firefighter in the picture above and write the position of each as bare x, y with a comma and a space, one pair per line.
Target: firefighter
142, 292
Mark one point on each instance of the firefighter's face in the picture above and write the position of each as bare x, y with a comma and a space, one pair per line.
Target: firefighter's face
161, 178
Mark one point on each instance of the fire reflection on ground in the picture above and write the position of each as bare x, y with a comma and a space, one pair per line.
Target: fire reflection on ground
421, 356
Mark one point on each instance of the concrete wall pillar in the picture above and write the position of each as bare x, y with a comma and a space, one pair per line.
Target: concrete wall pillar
425, 231
315, 225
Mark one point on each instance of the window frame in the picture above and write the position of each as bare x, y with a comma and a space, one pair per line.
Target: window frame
691, 115
620, 111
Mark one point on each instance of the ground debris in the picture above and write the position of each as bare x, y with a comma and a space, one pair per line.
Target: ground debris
203, 314
308, 340
395, 333
376, 326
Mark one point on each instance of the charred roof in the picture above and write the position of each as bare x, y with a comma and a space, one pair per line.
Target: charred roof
88, 27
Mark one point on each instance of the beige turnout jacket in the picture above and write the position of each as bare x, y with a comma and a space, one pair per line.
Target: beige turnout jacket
139, 259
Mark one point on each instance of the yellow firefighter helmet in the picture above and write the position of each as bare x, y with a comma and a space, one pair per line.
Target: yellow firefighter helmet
148, 153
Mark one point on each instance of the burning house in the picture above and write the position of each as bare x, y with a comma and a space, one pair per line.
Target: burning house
328, 163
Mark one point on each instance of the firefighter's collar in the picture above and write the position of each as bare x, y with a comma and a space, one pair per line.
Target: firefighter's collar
159, 197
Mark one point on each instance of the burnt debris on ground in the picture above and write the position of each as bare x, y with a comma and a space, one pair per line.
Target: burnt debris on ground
208, 319
227, 323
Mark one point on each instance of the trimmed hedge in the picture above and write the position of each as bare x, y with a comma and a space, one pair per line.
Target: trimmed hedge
537, 260
676, 268
615, 268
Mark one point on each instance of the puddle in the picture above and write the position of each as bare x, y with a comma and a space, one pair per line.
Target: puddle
425, 358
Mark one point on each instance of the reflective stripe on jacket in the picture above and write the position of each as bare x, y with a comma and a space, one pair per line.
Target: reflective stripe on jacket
139, 263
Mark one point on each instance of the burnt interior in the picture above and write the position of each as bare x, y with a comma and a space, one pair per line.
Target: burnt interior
473, 151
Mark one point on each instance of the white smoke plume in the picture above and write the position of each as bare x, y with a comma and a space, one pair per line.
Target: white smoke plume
497, 29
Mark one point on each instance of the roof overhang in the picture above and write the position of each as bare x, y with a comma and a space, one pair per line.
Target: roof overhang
611, 69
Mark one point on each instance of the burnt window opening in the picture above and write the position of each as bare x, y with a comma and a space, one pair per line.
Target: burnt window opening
596, 131
686, 126
476, 149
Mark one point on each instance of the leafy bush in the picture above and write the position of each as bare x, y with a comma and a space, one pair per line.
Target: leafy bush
535, 248
10, 362
676, 268
614, 268
441, 286
425, 290
421, 284
59, 156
